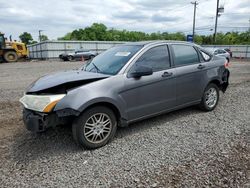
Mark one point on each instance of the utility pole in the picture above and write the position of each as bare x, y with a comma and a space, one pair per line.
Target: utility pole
216, 20
195, 6
249, 25
40, 40
40, 35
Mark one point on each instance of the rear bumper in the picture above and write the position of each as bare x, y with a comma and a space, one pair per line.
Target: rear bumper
225, 80
39, 122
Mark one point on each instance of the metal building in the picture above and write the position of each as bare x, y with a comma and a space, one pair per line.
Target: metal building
52, 49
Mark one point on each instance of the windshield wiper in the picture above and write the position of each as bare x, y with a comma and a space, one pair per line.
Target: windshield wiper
98, 70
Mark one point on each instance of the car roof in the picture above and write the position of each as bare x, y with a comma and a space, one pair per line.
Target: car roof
155, 42
145, 43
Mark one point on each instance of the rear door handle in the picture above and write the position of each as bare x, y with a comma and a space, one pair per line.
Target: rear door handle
167, 74
200, 66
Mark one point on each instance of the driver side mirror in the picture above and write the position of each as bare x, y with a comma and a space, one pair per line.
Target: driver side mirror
140, 71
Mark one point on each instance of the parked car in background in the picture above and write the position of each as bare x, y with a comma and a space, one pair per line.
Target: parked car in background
125, 84
78, 55
229, 51
65, 56
220, 52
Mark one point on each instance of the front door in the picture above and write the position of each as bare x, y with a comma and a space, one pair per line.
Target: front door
151, 94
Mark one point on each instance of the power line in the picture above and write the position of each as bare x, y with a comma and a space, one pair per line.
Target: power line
174, 9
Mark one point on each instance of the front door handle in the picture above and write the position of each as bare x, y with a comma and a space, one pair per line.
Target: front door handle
167, 74
200, 66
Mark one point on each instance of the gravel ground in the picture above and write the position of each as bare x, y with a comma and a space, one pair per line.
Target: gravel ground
186, 148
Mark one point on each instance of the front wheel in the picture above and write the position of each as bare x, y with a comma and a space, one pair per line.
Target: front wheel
70, 58
91, 57
95, 127
10, 56
210, 98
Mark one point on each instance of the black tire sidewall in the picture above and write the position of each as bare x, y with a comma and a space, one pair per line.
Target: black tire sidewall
203, 104
70, 58
13, 53
79, 123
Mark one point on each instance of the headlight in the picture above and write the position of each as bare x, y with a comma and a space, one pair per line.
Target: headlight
41, 103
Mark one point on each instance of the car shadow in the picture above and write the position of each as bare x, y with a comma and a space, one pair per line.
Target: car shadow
151, 122
59, 140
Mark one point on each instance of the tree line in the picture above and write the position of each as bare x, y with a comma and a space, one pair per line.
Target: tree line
27, 38
99, 32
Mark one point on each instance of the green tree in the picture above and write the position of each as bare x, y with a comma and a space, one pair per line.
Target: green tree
98, 31
26, 38
66, 37
44, 37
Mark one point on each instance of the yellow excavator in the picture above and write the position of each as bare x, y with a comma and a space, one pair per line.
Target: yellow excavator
12, 51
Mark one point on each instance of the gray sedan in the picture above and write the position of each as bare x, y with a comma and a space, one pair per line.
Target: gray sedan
122, 85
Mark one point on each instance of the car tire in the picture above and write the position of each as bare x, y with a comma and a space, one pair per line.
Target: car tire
95, 127
91, 57
210, 98
10, 56
70, 58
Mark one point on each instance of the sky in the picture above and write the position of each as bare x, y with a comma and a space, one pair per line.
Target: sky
58, 17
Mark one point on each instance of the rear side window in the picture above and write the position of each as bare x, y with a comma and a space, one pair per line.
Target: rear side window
185, 55
156, 58
221, 51
205, 55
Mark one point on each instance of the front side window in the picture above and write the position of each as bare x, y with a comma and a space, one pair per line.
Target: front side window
185, 55
1, 41
156, 58
111, 61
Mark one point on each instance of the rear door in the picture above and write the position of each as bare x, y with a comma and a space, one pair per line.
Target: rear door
190, 73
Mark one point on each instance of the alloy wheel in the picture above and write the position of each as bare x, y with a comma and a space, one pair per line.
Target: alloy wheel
97, 128
211, 97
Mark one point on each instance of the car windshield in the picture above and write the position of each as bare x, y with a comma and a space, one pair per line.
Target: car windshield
111, 61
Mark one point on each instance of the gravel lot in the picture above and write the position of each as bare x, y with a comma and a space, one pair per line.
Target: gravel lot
186, 148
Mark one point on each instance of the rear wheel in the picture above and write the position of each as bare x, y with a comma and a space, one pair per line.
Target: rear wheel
210, 97
95, 127
10, 56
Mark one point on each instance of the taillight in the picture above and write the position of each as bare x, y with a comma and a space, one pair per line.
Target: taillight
226, 64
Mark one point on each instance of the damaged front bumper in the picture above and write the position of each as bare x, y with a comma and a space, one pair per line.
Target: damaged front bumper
39, 122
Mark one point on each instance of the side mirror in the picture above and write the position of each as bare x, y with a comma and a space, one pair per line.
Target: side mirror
141, 71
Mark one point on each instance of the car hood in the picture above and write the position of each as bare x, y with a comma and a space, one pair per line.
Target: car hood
61, 81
